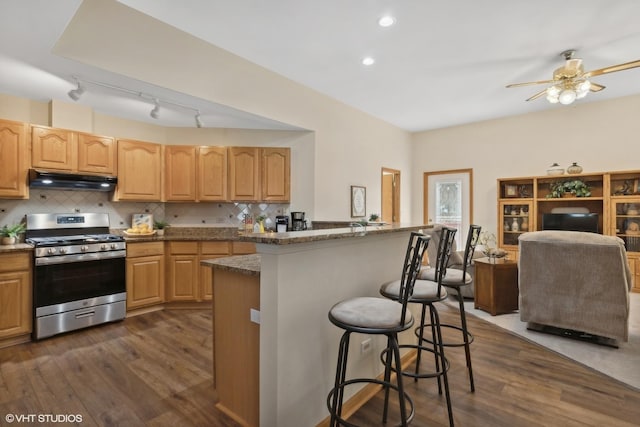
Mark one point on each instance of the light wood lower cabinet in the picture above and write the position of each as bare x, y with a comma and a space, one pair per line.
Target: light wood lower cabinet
634, 265
15, 295
145, 274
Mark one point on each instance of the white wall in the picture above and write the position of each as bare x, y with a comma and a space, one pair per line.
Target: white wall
600, 136
350, 148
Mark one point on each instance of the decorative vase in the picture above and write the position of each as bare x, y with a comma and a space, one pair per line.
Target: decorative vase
574, 168
160, 232
555, 169
514, 225
525, 224
6, 240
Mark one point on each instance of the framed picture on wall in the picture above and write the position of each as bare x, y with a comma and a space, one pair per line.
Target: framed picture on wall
510, 190
358, 201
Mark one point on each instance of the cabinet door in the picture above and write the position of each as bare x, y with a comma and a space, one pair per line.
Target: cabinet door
515, 218
210, 250
212, 173
15, 299
276, 174
139, 171
96, 154
183, 283
145, 281
180, 173
634, 264
53, 148
13, 152
244, 178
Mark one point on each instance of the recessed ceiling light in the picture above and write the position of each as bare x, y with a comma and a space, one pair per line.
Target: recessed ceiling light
386, 21
368, 61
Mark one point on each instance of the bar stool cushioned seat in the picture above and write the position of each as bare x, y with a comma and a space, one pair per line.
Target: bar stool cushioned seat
371, 313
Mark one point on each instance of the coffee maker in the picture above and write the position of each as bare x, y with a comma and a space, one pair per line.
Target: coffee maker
297, 221
282, 223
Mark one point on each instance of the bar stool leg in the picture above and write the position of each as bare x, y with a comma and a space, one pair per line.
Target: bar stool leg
467, 350
341, 372
393, 342
420, 339
436, 318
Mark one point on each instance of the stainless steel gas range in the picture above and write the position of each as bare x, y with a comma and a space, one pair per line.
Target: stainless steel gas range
79, 269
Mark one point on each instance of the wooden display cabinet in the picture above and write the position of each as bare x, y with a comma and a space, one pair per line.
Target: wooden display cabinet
516, 217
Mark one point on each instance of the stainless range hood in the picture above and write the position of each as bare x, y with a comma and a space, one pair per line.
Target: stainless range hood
69, 181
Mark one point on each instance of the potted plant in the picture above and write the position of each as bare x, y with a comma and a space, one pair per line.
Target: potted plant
260, 221
160, 225
568, 188
9, 233
374, 217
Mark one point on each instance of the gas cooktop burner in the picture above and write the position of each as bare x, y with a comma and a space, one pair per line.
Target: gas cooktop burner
78, 239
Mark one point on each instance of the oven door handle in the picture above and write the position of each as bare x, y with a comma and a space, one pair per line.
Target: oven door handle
93, 256
86, 314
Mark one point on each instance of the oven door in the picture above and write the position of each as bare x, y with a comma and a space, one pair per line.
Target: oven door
62, 283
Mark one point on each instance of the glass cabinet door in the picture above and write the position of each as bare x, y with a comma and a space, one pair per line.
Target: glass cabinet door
626, 221
515, 218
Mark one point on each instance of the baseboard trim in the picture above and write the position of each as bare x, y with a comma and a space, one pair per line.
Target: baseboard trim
368, 391
21, 339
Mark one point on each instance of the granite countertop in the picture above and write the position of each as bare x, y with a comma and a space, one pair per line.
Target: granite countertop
185, 233
307, 236
244, 264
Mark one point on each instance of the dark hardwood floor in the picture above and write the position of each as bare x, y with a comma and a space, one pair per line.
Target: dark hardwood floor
155, 370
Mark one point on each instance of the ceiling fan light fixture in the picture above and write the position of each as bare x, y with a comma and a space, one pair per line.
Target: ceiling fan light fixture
552, 94
368, 61
567, 96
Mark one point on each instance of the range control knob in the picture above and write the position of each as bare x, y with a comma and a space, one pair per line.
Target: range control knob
63, 250
84, 248
103, 247
51, 251
114, 246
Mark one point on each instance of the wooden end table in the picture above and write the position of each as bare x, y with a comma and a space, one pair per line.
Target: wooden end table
496, 285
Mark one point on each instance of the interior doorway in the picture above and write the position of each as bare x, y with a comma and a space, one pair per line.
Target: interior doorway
390, 195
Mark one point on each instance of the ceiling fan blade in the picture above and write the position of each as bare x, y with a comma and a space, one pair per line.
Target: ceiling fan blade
595, 87
539, 82
612, 69
537, 95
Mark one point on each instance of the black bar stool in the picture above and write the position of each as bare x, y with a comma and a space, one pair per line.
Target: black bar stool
454, 279
427, 293
378, 316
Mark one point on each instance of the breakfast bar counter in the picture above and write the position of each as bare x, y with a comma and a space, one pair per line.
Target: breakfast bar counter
301, 276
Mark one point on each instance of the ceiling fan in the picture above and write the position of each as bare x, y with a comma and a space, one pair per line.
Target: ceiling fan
571, 82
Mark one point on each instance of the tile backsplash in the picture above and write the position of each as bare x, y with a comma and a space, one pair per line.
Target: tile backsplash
177, 214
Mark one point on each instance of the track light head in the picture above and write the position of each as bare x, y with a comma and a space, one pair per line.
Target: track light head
155, 113
198, 121
76, 93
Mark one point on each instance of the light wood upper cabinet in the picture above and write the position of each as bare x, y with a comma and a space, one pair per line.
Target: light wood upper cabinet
69, 151
53, 148
14, 158
212, 173
180, 172
275, 174
244, 173
15, 294
139, 171
96, 154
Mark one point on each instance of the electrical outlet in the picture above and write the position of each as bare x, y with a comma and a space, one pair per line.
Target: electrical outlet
365, 346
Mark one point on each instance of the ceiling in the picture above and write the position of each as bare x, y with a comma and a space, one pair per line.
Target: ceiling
442, 63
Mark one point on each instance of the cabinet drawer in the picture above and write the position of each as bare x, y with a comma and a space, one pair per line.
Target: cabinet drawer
144, 249
214, 248
180, 248
15, 262
240, 248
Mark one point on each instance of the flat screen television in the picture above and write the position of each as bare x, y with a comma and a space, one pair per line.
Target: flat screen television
571, 222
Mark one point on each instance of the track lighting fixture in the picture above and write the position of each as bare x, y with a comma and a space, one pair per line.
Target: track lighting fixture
155, 113
77, 92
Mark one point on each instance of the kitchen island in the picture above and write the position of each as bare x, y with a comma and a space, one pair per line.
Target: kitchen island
302, 275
